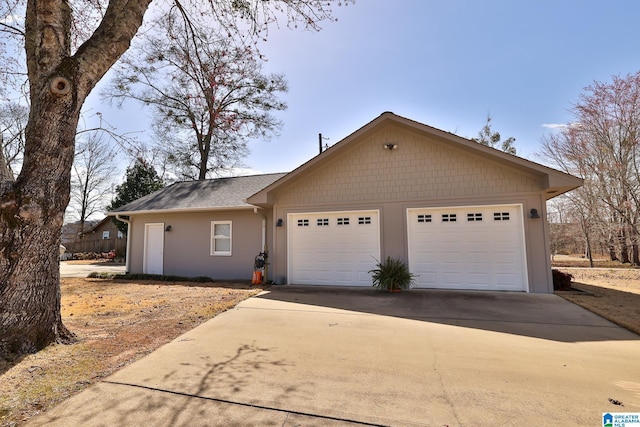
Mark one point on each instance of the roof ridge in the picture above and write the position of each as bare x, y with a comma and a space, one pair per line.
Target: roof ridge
227, 177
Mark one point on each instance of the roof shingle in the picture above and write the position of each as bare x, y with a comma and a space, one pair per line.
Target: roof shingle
216, 193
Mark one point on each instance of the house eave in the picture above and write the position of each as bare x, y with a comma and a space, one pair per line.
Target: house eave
181, 210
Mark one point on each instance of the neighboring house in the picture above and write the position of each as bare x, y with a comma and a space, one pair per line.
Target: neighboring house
461, 214
102, 237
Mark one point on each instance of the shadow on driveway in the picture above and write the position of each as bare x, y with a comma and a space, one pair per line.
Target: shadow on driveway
533, 315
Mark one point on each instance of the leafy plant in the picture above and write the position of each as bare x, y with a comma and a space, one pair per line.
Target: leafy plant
392, 274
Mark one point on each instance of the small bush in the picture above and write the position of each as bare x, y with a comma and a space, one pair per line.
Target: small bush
392, 274
163, 278
101, 275
561, 281
158, 277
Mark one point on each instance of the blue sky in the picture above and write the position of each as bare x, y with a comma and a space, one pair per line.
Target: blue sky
443, 63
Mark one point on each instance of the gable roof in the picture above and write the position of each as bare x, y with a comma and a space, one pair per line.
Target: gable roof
210, 194
554, 181
98, 225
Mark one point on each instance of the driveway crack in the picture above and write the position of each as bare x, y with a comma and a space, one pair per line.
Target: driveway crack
434, 367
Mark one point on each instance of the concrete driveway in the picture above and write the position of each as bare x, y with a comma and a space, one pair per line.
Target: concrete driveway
83, 270
339, 357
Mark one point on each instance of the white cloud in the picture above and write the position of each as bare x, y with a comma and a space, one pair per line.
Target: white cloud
554, 125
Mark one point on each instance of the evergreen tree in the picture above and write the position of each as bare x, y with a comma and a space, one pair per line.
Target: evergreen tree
493, 139
140, 179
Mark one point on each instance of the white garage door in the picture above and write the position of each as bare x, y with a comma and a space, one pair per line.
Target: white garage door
468, 247
333, 248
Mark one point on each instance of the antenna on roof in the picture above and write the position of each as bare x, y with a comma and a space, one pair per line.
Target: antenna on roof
320, 138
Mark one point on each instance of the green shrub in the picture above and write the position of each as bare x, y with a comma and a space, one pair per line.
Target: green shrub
159, 277
561, 280
391, 274
164, 278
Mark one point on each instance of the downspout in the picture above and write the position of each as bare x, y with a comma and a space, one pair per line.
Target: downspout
264, 242
127, 258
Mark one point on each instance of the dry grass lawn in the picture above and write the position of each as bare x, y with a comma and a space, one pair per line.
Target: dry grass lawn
116, 323
612, 293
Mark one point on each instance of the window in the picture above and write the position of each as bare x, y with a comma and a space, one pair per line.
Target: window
364, 220
424, 218
343, 221
120, 235
471, 217
501, 216
449, 217
105, 235
303, 223
221, 238
322, 221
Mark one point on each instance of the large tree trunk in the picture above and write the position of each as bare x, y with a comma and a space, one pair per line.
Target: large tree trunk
32, 216
624, 247
32, 207
612, 252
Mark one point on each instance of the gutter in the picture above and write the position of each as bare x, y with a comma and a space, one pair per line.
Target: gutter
127, 258
264, 248
182, 210
264, 227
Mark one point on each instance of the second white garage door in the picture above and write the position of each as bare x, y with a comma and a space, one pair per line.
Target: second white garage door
333, 248
474, 247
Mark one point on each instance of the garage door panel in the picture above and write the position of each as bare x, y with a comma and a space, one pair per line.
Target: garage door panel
451, 277
479, 279
482, 249
339, 252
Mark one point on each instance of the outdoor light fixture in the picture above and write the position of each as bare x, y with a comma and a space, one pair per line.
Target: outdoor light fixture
279, 223
168, 228
534, 213
390, 146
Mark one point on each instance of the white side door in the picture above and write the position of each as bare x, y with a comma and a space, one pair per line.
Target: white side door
153, 248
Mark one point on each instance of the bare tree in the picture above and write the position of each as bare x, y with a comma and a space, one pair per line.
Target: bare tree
207, 95
91, 177
69, 46
601, 145
13, 121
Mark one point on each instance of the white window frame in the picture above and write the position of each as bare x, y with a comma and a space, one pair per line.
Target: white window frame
105, 235
213, 252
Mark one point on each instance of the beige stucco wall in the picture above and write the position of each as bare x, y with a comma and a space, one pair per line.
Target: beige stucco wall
421, 172
187, 245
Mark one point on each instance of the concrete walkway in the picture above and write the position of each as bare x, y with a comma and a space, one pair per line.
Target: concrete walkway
344, 357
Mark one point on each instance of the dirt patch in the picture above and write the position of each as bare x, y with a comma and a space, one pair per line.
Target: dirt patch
116, 322
611, 293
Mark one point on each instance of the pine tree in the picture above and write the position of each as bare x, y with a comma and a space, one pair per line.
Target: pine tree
488, 137
140, 179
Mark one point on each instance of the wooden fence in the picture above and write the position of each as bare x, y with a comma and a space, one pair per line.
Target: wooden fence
98, 246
